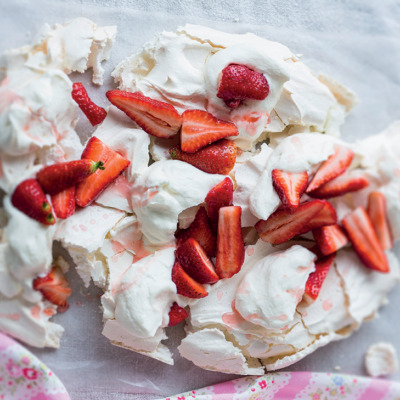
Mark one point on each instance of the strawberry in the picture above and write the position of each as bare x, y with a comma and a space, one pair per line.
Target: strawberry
335, 165
193, 259
185, 284
330, 238
289, 186
29, 198
230, 244
345, 183
216, 158
219, 196
114, 164
362, 236
284, 224
376, 210
317, 278
64, 203
200, 230
176, 314
239, 82
94, 113
54, 287
153, 116
58, 177
200, 128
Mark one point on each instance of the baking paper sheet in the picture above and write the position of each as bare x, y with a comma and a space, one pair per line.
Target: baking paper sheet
357, 43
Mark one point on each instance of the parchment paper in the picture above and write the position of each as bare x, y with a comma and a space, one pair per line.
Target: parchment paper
356, 42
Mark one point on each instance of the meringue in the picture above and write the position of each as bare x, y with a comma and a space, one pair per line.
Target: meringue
381, 359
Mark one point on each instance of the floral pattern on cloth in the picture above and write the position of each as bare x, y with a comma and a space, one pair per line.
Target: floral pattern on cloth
23, 376
298, 386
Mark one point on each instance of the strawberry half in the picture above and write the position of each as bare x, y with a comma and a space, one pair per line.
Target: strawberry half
58, 177
283, 224
176, 314
29, 198
345, 183
185, 284
200, 128
200, 230
54, 287
114, 164
377, 213
64, 203
153, 116
330, 238
193, 259
335, 165
238, 83
216, 158
94, 113
317, 278
219, 196
230, 244
362, 236
289, 186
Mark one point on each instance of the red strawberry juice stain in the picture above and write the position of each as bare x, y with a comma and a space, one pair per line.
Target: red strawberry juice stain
250, 251
250, 122
296, 293
12, 317
49, 311
123, 187
327, 305
35, 312
83, 228
233, 319
220, 295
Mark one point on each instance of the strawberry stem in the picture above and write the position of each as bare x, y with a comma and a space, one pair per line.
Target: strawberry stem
50, 219
46, 206
97, 165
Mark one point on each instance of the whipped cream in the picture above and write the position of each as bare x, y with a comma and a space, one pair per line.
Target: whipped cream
381, 359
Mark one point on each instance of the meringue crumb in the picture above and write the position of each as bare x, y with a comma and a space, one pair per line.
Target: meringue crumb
381, 359
337, 368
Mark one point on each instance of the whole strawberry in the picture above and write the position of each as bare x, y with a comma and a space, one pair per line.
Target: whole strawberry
216, 158
93, 112
58, 177
238, 83
29, 198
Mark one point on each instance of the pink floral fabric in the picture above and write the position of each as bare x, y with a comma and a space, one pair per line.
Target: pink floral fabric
298, 386
23, 376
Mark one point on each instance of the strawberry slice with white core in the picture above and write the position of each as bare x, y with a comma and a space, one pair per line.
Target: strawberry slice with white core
200, 128
114, 164
377, 213
155, 117
334, 166
317, 278
345, 183
54, 287
219, 196
289, 186
362, 236
64, 203
176, 315
185, 284
330, 238
230, 244
193, 259
326, 216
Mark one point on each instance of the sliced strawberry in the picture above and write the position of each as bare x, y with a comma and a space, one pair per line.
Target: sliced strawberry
193, 259
58, 177
326, 216
94, 113
230, 244
283, 225
377, 213
317, 278
216, 158
334, 166
362, 236
289, 186
64, 203
153, 116
239, 82
345, 183
200, 230
219, 196
29, 198
54, 287
185, 284
114, 164
176, 315
200, 128
330, 238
